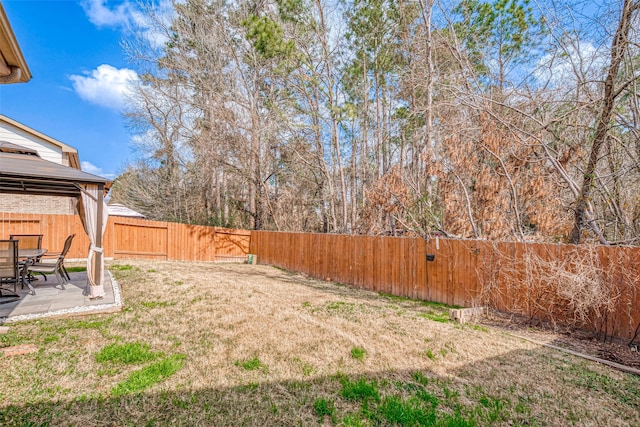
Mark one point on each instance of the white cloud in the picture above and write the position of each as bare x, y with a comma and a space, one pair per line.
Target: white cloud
152, 23
95, 170
101, 15
131, 17
106, 86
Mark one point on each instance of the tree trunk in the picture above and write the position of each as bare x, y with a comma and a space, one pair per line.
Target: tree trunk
618, 48
426, 10
335, 137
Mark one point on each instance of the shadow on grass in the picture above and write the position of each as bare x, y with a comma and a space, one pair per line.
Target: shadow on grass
550, 389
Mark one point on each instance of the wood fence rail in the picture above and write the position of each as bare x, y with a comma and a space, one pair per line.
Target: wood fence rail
549, 282
133, 237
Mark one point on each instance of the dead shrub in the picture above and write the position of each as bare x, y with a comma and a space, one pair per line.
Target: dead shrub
574, 287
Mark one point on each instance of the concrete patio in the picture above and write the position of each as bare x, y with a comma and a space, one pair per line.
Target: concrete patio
51, 300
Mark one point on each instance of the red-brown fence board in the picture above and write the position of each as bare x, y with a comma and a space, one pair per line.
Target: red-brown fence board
132, 237
54, 228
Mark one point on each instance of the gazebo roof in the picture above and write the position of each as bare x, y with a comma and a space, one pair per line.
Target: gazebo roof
23, 171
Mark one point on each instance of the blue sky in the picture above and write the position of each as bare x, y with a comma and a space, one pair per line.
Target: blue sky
79, 76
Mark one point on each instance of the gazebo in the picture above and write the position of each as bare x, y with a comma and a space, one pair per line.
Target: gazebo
22, 171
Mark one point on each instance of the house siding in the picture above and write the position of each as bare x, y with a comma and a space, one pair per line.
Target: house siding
47, 151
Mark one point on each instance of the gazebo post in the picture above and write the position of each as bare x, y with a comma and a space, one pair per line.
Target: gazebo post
99, 255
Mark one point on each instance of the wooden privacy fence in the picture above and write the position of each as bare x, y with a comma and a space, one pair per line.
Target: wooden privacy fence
133, 237
596, 288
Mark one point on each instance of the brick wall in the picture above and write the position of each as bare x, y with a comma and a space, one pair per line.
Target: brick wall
37, 204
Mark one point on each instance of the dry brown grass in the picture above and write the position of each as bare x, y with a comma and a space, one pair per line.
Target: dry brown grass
302, 332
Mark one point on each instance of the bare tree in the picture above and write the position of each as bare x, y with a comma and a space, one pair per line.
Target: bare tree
489, 119
611, 91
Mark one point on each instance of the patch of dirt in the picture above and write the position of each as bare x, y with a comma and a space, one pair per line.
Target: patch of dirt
583, 342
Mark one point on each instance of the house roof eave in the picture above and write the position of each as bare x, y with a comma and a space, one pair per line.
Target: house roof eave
10, 54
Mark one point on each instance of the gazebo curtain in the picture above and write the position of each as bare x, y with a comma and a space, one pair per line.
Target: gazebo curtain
88, 209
